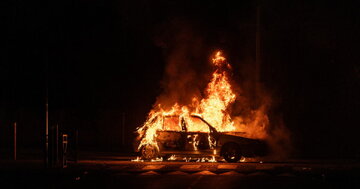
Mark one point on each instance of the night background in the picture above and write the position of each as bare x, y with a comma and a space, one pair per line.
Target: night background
103, 61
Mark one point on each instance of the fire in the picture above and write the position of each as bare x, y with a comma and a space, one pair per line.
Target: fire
171, 158
218, 59
137, 159
213, 107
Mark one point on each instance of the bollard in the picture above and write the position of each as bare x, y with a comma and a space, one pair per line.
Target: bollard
14, 140
57, 145
64, 150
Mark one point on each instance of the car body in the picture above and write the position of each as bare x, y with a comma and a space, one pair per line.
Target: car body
181, 140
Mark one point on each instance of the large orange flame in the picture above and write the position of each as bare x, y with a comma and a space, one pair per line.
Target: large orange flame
214, 108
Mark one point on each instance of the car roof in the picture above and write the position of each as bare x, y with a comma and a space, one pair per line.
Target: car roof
195, 116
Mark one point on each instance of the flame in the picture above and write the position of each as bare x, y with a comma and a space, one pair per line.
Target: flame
137, 159
157, 159
218, 59
171, 158
212, 159
213, 107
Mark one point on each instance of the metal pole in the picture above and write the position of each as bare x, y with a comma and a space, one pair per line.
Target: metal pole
57, 144
76, 145
47, 132
123, 129
14, 140
47, 115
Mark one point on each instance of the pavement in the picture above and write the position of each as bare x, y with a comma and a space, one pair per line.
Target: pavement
103, 170
127, 171
245, 167
182, 174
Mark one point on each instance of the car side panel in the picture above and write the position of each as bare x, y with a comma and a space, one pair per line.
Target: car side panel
248, 147
171, 140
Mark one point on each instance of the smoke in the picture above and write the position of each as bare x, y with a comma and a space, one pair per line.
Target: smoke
188, 72
185, 69
279, 139
254, 113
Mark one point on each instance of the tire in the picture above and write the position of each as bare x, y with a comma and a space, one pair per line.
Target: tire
231, 152
149, 152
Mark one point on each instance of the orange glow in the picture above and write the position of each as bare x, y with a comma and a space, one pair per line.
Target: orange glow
218, 60
213, 107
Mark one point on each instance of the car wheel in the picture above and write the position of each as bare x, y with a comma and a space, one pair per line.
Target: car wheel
231, 152
149, 152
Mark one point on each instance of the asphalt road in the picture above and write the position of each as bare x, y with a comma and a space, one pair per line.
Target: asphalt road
121, 172
193, 174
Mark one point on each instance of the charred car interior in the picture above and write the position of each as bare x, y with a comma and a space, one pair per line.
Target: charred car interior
177, 137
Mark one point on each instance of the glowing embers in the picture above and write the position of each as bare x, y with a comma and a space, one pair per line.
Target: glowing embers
195, 141
211, 159
172, 158
181, 158
178, 159
158, 159
137, 159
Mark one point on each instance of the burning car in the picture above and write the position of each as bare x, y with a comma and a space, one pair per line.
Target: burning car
176, 137
204, 127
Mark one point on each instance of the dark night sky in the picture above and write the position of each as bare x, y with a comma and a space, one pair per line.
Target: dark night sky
101, 59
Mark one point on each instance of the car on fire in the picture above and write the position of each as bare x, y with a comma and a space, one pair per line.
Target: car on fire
175, 138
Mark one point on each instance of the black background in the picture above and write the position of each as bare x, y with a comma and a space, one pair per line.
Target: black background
101, 59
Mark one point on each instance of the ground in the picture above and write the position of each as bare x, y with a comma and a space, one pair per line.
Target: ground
121, 172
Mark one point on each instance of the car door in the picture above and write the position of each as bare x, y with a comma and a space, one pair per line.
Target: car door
171, 137
197, 135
